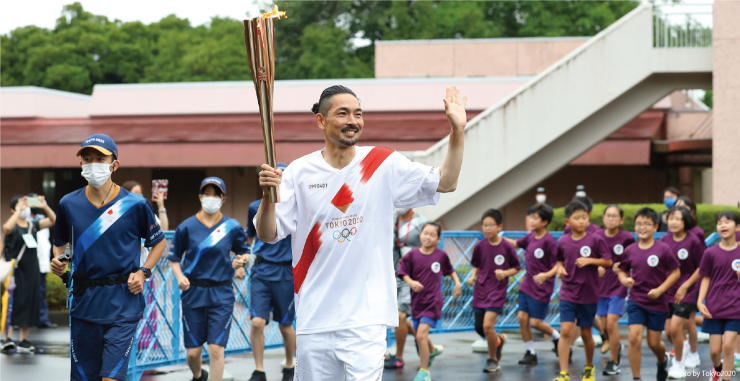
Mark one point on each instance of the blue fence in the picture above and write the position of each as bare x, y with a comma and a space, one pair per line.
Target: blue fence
159, 340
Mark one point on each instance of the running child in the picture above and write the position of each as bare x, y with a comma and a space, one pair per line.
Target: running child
688, 249
579, 256
422, 269
654, 270
540, 253
691, 206
612, 293
720, 289
494, 261
591, 228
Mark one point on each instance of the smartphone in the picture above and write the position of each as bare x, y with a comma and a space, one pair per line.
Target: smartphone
33, 201
161, 187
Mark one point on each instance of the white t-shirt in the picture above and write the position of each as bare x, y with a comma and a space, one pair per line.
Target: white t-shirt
341, 226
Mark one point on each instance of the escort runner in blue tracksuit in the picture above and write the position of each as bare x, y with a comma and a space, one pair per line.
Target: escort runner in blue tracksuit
108, 223
271, 290
201, 260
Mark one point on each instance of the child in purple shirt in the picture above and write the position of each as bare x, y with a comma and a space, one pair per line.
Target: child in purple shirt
654, 271
688, 249
612, 293
691, 206
720, 288
423, 270
494, 261
579, 255
540, 253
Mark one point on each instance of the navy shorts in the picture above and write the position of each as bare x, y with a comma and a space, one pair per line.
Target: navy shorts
276, 296
210, 324
488, 309
424, 319
101, 350
720, 326
613, 305
584, 313
682, 310
535, 308
653, 320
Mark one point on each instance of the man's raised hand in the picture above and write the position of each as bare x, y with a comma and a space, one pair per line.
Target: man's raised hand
455, 108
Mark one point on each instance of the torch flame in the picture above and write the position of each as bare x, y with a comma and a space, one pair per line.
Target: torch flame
274, 13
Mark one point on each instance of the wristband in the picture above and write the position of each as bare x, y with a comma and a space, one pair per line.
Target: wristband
163, 210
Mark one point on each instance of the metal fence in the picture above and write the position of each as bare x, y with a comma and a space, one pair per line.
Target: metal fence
674, 27
159, 339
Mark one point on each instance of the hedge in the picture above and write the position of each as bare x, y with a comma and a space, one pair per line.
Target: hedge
706, 214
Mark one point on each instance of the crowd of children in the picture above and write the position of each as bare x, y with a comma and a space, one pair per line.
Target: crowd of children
666, 282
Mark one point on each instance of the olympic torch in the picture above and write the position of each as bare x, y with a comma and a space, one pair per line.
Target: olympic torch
259, 37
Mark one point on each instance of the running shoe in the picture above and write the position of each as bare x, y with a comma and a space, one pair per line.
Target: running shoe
562, 377
715, 375
588, 374
677, 371
258, 375
528, 359
8, 344
611, 368
499, 349
288, 374
204, 376
394, 362
423, 375
25, 347
662, 373
491, 366
438, 349
692, 360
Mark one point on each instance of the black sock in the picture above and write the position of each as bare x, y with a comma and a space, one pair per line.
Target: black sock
718, 368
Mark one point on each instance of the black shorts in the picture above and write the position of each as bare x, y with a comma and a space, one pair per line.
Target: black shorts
682, 310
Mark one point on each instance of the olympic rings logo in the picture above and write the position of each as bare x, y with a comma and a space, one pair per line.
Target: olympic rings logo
344, 235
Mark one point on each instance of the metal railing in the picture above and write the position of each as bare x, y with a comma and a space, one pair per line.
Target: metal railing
682, 29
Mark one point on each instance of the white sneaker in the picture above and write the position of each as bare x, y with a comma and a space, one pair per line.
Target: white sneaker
677, 371
692, 360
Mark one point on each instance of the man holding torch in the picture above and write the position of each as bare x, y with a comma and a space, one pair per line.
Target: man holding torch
337, 205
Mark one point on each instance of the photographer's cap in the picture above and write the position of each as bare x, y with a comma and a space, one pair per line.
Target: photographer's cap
102, 143
215, 181
540, 189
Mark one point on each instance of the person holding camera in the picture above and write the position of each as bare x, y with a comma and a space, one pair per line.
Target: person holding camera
20, 244
43, 253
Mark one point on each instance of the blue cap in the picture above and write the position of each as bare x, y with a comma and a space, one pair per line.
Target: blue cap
102, 143
215, 181
281, 166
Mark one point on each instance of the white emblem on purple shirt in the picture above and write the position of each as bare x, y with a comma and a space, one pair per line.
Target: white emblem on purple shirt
683, 254
539, 253
436, 267
585, 251
736, 265
618, 249
499, 260
653, 260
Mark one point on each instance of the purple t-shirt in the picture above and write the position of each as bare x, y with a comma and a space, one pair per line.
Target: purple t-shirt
723, 297
699, 233
650, 268
579, 285
427, 269
591, 228
490, 292
609, 284
689, 252
540, 255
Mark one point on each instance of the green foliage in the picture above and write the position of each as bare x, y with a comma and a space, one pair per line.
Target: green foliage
56, 293
319, 39
708, 98
706, 214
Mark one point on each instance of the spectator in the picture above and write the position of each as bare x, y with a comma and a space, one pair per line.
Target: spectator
43, 252
20, 244
406, 237
134, 187
670, 196
541, 198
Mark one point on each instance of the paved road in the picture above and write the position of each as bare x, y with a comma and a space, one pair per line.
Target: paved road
457, 363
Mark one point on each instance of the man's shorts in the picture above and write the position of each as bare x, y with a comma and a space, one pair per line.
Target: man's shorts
355, 354
613, 305
584, 313
267, 295
101, 350
210, 324
653, 320
488, 309
720, 326
682, 310
403, 292
535, 308
424, 319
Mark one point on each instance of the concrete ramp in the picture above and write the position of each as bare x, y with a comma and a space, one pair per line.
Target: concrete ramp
564, 111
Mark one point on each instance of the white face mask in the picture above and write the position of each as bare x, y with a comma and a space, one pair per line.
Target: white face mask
581, 194
24, 214
541, 198
211, 205
96, 173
